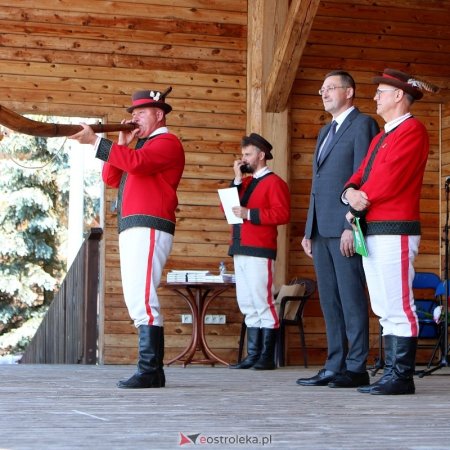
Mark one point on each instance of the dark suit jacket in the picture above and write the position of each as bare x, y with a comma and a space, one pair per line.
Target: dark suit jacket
340, 161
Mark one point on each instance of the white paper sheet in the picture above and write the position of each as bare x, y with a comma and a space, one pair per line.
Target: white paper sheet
229, 197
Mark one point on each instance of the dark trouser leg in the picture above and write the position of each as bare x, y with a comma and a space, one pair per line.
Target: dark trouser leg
149, 367
267, 359
388, 364
344, 303
401, 380
330, 304
253, 349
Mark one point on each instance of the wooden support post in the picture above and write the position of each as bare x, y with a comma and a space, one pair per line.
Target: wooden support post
289, 52
266, 20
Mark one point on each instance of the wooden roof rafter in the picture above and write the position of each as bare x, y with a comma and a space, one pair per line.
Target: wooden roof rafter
288, 53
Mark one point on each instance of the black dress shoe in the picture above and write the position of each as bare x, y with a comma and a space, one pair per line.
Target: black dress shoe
321, 379
350, 379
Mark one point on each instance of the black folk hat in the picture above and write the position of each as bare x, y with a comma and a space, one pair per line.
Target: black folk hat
401, 81
261, 143
150, 98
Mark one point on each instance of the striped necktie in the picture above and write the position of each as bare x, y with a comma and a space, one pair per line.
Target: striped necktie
328, 141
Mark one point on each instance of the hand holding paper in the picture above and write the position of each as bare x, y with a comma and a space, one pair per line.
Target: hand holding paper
229, 197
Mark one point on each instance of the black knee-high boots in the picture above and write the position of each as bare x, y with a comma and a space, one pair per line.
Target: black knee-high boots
253, 349
260, 349
388, 365
267, 359
401, 379
150, 372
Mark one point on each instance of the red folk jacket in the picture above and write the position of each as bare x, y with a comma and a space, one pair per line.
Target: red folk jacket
395, 179
147, 179
269, 205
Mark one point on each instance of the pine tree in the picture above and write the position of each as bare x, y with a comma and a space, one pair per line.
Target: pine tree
34, 189
34, 199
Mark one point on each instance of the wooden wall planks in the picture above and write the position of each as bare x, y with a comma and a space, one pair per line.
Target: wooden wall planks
364, 38
85, 58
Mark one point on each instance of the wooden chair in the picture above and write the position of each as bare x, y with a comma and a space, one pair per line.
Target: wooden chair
288, 317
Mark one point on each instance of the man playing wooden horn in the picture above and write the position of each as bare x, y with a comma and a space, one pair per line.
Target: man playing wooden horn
147, 178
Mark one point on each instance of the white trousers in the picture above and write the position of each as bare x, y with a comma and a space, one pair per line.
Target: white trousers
255, 289
143, 254
389, 273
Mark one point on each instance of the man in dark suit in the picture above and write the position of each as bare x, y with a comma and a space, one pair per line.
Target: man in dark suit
341, 146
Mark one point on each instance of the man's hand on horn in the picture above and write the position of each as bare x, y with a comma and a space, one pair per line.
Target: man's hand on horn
85, 136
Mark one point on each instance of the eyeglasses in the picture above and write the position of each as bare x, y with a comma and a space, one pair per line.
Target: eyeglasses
378, 92
322, 90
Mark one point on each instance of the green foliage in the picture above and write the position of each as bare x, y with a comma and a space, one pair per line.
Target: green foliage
34, 195
17, 339
30, 225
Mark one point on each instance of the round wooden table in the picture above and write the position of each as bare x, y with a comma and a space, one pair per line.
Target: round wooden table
198, 295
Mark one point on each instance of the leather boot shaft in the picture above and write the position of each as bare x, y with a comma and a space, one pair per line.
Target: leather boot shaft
149, 348
267, 359
161, 359
388, 350
389, 355
253, 349
149, 373
401, 380
405, 357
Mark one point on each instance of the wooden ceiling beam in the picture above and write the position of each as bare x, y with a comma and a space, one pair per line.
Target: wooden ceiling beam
288, 54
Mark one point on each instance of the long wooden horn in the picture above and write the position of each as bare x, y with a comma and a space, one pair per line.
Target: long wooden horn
21, 124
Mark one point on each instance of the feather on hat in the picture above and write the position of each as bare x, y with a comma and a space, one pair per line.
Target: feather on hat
412, 85
149, 98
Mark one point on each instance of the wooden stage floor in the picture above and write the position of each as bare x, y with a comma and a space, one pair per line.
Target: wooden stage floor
59, 407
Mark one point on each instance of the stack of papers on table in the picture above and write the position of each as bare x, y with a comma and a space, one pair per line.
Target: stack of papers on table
213, 279
176, 276
182, 276
198, 276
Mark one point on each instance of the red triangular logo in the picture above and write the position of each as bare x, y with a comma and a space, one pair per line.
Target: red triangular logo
184, 439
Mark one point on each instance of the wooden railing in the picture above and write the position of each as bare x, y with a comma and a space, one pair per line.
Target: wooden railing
68, 332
